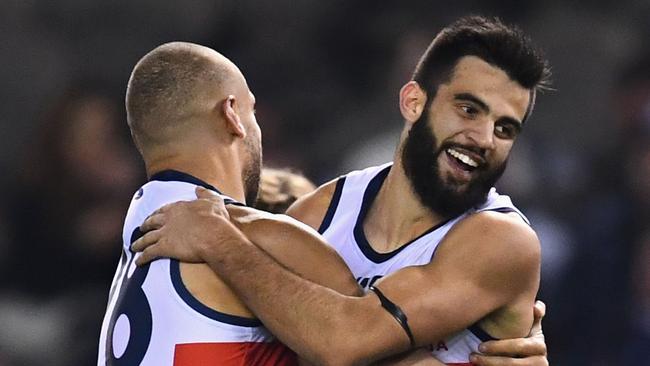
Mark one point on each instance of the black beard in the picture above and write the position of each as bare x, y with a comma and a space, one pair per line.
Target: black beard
420, 160
251, 173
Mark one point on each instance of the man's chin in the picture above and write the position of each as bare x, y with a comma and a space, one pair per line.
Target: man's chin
454, 186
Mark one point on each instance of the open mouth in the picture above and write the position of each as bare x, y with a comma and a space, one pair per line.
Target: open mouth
463, 160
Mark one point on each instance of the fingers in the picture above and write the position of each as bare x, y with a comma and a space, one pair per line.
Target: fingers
148, 239
539, 310
147, 244
483, 360
203, 193
518, 347
153, 222
148, 255
538, 313
218, 205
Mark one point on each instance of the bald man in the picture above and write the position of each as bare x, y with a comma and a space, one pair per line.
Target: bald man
191, 115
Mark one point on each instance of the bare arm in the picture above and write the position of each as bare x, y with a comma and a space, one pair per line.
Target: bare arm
523, 351
326, 327
309, 254
531, 351
297, 247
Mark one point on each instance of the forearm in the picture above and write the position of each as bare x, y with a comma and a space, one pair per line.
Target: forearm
329, 271
316, 322
303, 252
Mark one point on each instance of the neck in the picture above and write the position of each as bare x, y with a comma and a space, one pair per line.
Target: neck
222, 170
397, 216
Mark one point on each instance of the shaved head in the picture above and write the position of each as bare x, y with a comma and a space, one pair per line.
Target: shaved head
189, 107
172, 87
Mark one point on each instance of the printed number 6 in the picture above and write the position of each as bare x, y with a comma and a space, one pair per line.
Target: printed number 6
129, 331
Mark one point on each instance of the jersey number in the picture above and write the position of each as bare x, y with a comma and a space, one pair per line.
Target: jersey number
131, 314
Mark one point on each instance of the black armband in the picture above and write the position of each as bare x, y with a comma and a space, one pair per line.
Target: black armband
396, 312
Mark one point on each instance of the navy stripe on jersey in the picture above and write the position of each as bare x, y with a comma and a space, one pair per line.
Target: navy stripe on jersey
176, 176
331, 210
480, 333
184, 293
360, 237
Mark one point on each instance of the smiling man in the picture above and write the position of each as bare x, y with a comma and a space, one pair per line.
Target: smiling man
458, 262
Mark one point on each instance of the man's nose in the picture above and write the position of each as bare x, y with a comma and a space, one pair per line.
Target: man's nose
482, 134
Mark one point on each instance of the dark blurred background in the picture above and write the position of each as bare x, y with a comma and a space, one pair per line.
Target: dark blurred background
326, 75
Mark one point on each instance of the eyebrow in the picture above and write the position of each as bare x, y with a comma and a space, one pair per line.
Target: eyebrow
468, 97
474, 99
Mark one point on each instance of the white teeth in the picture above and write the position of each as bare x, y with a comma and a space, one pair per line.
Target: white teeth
462, 157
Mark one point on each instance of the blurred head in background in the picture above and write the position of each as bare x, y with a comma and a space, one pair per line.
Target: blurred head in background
80, 144
279, 188
69, 201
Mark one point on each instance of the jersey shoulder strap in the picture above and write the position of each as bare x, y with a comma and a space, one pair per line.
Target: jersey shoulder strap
349, 191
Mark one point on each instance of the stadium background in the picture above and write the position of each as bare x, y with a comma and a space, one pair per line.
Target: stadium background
326, 76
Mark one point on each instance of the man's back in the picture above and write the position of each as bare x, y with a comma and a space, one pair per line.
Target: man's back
154, 316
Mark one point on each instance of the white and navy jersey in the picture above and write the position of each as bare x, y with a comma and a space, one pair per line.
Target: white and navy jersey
343, 229
152, 318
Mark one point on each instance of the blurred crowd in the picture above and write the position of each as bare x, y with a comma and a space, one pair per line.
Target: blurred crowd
326, 76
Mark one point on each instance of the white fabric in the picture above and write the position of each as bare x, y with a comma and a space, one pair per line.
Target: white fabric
173, 320
368, 266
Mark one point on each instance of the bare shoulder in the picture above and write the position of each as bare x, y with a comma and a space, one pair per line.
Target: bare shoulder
505, 228
312, 208
501, 242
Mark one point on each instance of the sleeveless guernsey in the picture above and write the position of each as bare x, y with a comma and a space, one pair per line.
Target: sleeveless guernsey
343, 229
152, 318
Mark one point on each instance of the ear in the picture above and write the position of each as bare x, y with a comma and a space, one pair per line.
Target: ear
412, 100
233, 122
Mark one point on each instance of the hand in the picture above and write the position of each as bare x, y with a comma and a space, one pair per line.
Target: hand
179, 230
529, 351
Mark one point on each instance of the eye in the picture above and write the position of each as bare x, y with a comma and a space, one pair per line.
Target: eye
468, 110
506, 131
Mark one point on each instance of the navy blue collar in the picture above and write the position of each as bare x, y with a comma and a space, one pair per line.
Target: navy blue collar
176, 176
360, 236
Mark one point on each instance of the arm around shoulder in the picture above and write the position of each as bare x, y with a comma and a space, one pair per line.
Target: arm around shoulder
297, 247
